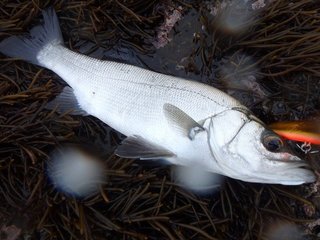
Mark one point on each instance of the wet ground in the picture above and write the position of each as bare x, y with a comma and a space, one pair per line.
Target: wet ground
268, 58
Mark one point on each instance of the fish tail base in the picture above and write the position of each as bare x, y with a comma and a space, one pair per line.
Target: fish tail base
35, 46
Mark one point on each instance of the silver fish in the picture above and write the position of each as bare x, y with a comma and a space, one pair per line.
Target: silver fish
185, 122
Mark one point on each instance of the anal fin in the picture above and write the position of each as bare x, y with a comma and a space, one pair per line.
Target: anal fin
138, 147
66, 101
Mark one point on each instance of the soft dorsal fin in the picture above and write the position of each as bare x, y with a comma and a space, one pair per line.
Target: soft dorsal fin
66, 101
138, 147
181, 121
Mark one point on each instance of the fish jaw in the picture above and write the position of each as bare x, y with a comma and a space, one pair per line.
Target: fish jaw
292, 171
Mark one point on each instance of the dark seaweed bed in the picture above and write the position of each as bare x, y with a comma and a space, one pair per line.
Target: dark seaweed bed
281, 48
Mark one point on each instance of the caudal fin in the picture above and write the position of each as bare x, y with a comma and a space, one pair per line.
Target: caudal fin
32, 47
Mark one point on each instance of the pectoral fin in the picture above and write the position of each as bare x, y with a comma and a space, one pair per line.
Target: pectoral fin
66, 101
181, 121
138, 147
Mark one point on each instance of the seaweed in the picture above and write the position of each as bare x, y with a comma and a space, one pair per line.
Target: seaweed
141, 200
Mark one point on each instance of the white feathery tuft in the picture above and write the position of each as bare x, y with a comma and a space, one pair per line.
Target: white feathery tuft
196, 179
233, 17
75, 173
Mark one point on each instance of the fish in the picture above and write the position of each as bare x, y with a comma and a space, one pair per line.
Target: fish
184, 122
301, 131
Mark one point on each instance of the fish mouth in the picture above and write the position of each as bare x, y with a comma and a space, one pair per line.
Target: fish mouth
292, 162
301, 176
292, 173
306, 167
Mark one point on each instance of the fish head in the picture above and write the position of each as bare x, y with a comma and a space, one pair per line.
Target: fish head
254, 153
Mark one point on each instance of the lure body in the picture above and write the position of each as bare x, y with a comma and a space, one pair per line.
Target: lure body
301, 131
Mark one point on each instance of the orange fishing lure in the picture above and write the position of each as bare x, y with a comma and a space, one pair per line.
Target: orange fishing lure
302, 131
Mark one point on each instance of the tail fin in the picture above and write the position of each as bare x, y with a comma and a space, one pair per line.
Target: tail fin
30, 47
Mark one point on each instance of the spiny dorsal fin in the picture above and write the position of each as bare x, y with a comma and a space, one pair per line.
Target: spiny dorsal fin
181, 121
66, 101
138, 147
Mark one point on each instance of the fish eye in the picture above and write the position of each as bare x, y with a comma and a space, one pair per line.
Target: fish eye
273, 143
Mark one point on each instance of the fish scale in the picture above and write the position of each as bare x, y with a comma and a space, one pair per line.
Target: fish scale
115, 88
